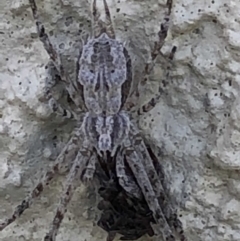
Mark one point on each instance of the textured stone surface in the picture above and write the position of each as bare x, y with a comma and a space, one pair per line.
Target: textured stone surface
196, 122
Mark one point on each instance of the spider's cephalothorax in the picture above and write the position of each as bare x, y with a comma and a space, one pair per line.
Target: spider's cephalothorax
101, 94
105, 70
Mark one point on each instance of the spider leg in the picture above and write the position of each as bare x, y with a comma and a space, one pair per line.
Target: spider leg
59, 110
109, 25
60, 165
143, 181
125, 180
75, 172
54, 56
143, 153
169, 211
152, 103
162, 34
50, 81
99, 25
90, 169
155, 179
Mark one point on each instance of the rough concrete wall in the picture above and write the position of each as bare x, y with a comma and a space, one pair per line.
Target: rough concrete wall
195, 123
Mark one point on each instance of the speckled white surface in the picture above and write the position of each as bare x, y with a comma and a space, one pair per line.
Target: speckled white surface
196, 122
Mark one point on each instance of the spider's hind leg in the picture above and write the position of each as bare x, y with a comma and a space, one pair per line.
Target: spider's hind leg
90, 169
169, 211
61, 165
75, 173
156, 177
142, 177
125, 179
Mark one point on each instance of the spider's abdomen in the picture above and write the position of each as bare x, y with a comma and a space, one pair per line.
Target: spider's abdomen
102, 73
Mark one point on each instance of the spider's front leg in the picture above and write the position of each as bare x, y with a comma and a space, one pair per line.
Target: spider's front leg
61, 165
75, 173
162, 34
50, 81
152, 103
74, 91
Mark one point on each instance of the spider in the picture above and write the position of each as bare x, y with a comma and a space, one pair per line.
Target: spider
104, 101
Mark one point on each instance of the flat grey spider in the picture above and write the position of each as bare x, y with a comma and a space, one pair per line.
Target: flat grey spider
102, 92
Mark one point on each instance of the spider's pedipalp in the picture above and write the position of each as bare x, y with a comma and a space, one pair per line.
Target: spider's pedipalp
99, 26
75, 173
109, 24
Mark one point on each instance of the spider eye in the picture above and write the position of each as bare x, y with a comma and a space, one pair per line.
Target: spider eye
112, 71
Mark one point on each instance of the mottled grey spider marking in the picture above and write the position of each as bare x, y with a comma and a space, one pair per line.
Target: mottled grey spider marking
102, 97
126, 180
